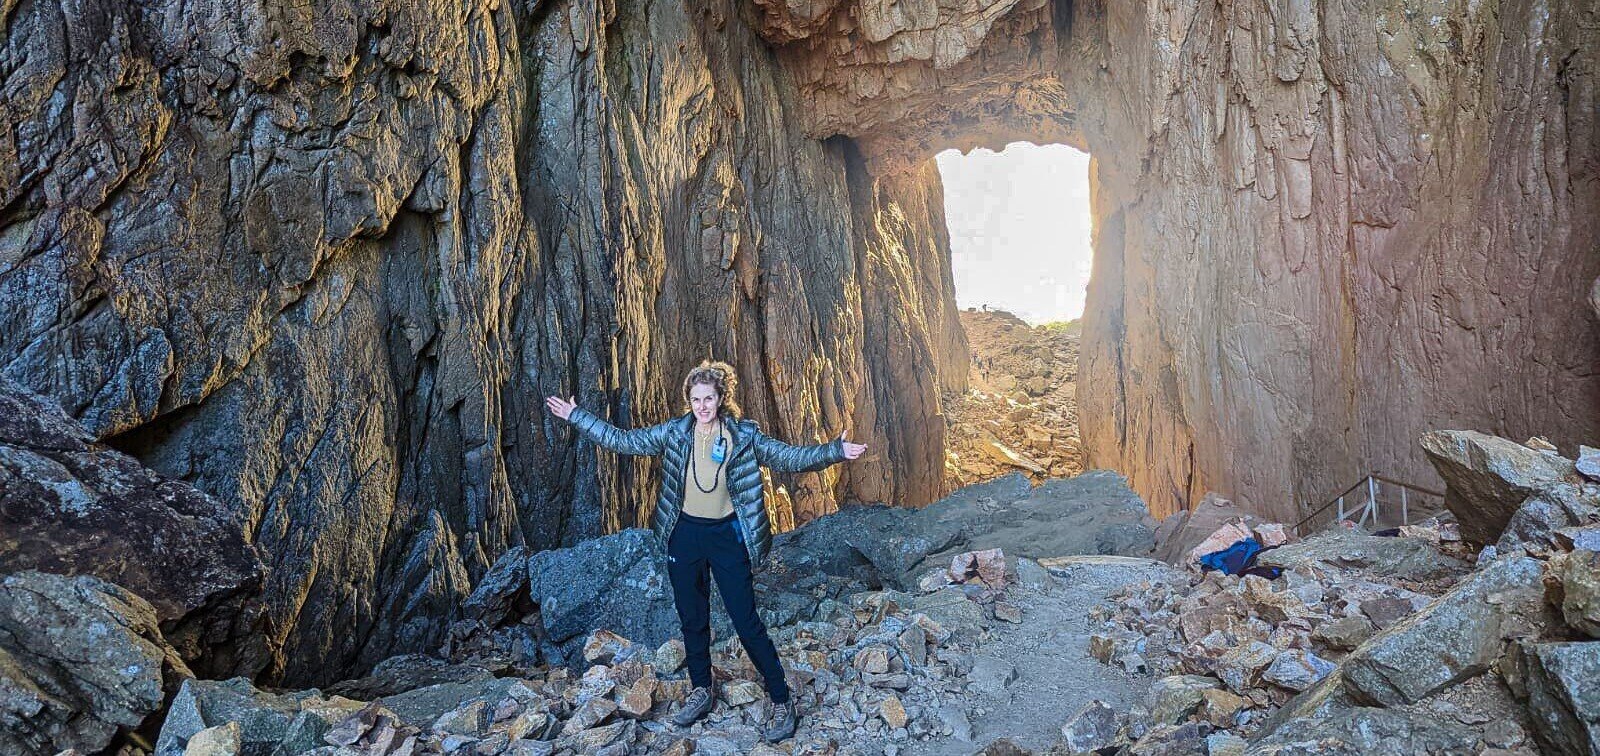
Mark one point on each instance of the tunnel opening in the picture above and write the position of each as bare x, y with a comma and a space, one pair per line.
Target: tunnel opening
1020, 235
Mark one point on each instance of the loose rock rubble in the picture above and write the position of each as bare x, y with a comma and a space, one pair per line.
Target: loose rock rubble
1375, 644
1020, 411
932, 632
876, 672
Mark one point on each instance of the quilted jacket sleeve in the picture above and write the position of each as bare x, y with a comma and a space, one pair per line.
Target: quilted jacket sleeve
783, 457
642, 442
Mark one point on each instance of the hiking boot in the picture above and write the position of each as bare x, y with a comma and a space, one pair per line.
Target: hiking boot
781, 724
697, 705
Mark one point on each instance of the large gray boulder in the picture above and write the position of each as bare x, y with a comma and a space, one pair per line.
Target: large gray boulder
1561, 684
269, 724
1413, 559
1457, 636
81, 661
71, 506
618, 582
1537, 524
1578, 574
1487, 478
1364, 731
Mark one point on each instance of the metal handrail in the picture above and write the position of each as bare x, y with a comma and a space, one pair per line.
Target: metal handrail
1371, 507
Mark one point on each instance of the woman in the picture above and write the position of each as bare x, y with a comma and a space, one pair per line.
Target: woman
712, 515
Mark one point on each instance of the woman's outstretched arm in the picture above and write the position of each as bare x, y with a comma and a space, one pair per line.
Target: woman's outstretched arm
783, 457
642, 442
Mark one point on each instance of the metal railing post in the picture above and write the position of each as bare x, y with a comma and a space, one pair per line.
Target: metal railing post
1372, 499
1405, 517
1341, 510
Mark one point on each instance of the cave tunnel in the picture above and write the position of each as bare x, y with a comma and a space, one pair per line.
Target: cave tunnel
325, 269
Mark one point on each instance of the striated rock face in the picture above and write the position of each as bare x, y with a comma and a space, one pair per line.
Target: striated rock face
1324, 228
324, 267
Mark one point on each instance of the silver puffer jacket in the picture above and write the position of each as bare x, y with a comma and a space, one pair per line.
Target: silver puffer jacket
672, 441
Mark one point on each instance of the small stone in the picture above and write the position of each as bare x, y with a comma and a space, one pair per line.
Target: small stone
531, 723
874, 658
741, 692
470, 719
636, 702
595, 738
1343, 633
530, 748
1579, 573
591, 713
604, 646
892, 711
956, 723
680, 747
1220, 707
913, 642
1589, 462
1092, 728
1102, 647
1385, 611
1241, 667
1008, 612
669, 656
1172, 699
933, 580
1297, 669
1225, 744
222, 740
1540, 443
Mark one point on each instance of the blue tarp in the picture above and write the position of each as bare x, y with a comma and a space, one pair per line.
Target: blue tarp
1238, 559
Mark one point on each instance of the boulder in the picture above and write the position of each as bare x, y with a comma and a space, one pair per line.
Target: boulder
1561, 684
502, 595
1362, 730
1487, 478
1579, 576
398, 674
1181, 533
1450, 640
1412, 559
1537, 524
71, 506
423, 706
81, 660
618, 582
268, 724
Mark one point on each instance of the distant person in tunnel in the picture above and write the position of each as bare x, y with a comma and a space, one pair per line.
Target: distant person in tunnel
712, 516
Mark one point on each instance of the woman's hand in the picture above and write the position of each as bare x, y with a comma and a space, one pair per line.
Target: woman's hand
852, 451
559, 407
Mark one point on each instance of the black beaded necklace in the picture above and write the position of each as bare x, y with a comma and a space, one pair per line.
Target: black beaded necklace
693, 465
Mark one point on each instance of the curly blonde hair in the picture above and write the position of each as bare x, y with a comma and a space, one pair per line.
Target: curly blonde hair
719, 376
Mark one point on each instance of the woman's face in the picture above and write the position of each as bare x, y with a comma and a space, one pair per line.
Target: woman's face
703, 401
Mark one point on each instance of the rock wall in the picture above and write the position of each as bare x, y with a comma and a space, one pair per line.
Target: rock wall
324, 266
1322, 228
1325, 228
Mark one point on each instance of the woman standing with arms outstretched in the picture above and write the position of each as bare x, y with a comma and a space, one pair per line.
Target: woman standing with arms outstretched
712, 516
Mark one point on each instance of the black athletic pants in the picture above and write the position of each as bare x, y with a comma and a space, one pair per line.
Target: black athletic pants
697, 546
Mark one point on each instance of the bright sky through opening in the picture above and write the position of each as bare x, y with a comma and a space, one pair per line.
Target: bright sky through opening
1019, 229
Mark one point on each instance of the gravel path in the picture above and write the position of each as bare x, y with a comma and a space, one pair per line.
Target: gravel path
1048, 653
